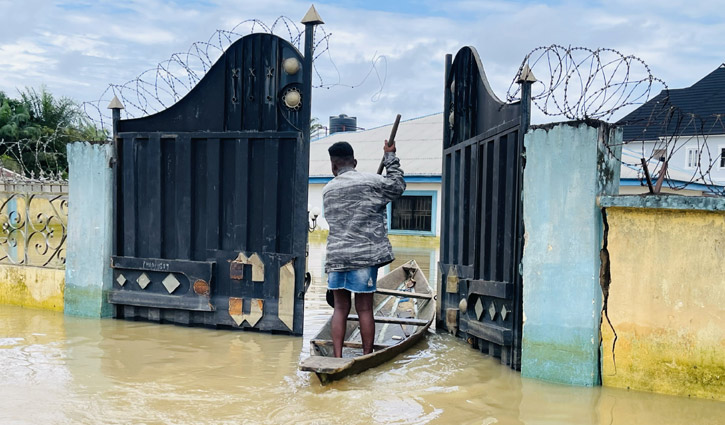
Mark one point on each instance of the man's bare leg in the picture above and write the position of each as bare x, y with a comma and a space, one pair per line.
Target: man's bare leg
339, 319
364, 309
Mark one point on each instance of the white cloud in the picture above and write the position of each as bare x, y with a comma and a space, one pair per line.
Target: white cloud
88, 45
23, 56
141, 34
78, 51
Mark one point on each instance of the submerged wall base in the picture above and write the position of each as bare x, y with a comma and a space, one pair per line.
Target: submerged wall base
32, 287
667, 296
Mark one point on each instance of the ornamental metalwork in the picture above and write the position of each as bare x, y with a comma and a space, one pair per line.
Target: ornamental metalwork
34, 219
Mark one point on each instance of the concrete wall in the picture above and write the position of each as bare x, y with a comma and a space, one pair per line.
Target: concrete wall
667, 295
632, 188
90, 229
567, 167
32, 287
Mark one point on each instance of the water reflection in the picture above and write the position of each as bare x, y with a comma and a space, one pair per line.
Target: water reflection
59, 369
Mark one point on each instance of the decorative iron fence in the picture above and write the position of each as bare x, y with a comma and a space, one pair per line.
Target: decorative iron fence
34, 219
33, 202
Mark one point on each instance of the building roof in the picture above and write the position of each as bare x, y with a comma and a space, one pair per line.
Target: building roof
698, 109
419, 144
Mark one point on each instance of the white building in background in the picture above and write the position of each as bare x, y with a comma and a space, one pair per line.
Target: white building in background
686, 127
419, 147
693, 142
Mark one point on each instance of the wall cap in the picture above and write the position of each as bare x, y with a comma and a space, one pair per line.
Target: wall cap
586, 122
665, 202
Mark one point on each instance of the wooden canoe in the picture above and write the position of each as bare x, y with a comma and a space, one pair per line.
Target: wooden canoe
403, 308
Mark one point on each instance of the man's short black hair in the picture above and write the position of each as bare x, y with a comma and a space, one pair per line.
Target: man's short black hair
341, 150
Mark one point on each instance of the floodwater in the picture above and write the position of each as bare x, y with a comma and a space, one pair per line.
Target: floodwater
64, 370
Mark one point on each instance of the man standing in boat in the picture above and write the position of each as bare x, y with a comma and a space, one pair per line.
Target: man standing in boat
357, 245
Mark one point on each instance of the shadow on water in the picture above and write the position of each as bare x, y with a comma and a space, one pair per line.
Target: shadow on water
60, 369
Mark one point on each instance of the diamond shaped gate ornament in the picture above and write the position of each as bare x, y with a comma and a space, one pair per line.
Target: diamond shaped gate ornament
479, 308
121, 279
492, 311
170, 283
504, 313
143, 281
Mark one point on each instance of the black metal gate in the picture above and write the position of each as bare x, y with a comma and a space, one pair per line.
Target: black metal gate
211, 222
481, 241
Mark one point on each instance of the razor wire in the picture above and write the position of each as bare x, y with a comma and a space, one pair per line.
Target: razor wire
157, 88
35, 160
579, 83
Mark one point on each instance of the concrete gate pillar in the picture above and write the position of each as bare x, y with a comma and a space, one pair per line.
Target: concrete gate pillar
568, 165
90, 229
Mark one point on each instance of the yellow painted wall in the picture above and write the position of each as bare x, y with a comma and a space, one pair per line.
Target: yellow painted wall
666, 302
32, 287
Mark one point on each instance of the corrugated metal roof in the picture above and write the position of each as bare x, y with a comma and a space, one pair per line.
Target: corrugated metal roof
419, 142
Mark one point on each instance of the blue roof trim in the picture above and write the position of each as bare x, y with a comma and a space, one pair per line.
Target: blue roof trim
689, 186
423, 179
408, 179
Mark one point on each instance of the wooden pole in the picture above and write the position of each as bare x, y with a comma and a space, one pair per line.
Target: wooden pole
646, 175
391, 142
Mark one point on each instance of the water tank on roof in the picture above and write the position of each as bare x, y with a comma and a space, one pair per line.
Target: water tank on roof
342, 123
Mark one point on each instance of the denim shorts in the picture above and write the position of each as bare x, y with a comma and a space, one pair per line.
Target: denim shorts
360, 280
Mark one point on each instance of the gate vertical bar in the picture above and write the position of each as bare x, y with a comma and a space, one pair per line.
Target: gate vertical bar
445, 221
310, 20
115, 106
526, 80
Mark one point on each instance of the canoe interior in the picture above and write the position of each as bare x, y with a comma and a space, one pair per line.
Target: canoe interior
407, 278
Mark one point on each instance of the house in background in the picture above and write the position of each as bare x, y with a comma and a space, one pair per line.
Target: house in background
686, 128
419, 144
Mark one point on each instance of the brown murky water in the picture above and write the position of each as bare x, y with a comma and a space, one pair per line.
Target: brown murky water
63, 370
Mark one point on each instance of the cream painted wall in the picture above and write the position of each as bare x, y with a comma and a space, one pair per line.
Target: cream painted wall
638, 190
666, 302
32, 287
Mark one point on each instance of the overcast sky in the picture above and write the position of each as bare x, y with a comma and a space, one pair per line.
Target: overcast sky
77, 48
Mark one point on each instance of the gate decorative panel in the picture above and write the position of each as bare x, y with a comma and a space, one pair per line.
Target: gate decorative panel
211, 222
481, 241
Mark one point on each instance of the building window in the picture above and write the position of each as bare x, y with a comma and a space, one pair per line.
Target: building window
722, 156
692, 158
412, 213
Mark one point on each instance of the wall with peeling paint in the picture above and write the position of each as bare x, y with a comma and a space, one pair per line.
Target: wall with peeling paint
32, 287
667, 295
567, 167
90, 229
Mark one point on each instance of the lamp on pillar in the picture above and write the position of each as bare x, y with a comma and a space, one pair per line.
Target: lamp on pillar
115, 106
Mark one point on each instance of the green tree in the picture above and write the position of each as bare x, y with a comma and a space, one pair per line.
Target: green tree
36, 128
15, 120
